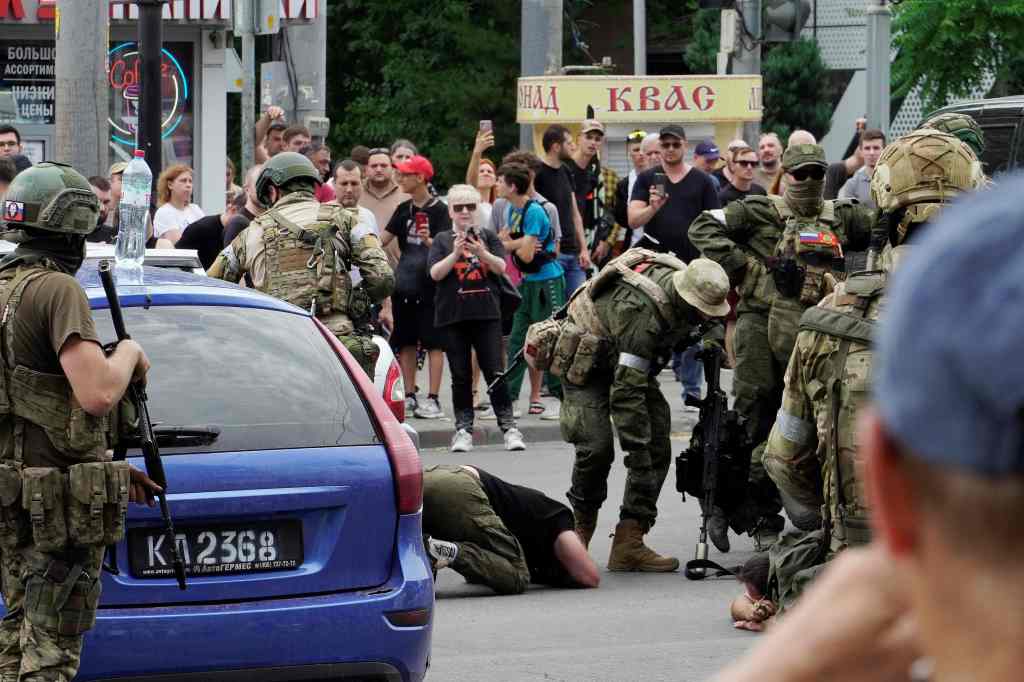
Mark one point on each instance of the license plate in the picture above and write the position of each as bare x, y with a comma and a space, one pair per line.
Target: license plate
218, 549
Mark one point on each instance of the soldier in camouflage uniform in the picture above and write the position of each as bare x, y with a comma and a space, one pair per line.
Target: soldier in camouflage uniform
61, 499
301, 251
781, 253
620, 331
812, 451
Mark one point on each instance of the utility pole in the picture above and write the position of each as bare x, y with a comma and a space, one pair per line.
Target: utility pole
80, 71
640, 37
540, 47
248, 99
307, 45
748, 61
151, 43
879, 51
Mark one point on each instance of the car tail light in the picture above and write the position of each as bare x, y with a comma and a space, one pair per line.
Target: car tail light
394, 391
405, 460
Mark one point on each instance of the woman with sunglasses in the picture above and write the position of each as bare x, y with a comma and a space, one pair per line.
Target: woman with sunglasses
740, 183
782, 253
466, 262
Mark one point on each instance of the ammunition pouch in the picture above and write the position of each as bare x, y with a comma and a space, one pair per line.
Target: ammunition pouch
589, 353
42, 496
788, 275
541, 341
566, 346
47, 401
84, 507
14, 528
60, 597
98, 502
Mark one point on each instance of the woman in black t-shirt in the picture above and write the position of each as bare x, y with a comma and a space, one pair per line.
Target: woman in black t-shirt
466, 262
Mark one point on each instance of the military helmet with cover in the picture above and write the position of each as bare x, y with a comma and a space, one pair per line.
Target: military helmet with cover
962, 126
920, 172
282, 168
52, 197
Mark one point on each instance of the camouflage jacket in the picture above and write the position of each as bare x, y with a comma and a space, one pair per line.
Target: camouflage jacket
751, 233
811, 453
301, 251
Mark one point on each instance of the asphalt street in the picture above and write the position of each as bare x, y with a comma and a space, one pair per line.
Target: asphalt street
633, 627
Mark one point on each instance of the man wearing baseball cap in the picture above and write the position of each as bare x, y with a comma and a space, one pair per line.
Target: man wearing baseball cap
784, 255
415, 223
705, 156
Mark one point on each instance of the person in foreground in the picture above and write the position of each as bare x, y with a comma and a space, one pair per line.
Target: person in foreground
939, 585
58, 390
499, 534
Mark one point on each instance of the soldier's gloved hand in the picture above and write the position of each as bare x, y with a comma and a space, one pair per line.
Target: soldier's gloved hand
142, 489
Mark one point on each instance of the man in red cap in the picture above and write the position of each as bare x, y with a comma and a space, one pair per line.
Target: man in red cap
411, 317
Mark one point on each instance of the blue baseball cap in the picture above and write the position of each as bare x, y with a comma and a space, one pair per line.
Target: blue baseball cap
949, 376
708, 150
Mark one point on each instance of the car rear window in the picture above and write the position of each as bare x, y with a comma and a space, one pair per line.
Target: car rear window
255, 379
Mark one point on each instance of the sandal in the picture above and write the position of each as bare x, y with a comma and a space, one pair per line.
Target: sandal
536, 408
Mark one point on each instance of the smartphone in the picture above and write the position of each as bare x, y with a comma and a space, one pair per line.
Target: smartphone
486, 126
660, 179
422, 221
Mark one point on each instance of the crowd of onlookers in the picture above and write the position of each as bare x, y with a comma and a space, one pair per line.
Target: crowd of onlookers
535, 223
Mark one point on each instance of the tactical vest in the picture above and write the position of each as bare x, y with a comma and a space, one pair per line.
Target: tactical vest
851, 321
584, 341
44, 400
807, 255
308, 256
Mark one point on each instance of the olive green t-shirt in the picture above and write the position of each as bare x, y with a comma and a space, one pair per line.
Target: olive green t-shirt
53, 308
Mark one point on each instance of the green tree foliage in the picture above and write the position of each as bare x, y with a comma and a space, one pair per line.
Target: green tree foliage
702, 52
947, 47
797, 93
427, 70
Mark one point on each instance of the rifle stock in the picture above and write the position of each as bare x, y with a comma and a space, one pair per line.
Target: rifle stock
147, 439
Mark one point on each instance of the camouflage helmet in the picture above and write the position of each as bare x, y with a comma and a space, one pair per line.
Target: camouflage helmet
53, 197
962, 126
282, 168
924, 167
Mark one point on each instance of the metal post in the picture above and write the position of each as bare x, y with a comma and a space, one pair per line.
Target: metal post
248, 99
748, 61
80, 70
640, 37
308, 47
879, 50
541, 47
151, 42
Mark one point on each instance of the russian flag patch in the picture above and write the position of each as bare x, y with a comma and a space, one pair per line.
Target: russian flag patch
14, 211
824, 238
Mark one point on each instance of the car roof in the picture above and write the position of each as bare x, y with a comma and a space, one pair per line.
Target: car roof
1011, 103
170, 286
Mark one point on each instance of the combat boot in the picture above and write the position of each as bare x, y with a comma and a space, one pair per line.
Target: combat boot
629, 553
586, 524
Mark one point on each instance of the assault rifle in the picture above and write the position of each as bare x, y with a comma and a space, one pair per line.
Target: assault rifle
519, 358
715, 467
147, 439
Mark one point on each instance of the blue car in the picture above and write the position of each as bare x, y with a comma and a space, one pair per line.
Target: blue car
296, 498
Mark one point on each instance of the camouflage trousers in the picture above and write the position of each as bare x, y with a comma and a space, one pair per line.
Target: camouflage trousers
456, 509
586, 423
761, 361
363, 349
794, 562
51, 601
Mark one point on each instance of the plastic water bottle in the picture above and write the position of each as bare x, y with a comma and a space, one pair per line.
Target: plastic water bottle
136, 184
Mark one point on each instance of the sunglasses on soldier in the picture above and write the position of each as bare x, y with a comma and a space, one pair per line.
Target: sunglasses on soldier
814, 172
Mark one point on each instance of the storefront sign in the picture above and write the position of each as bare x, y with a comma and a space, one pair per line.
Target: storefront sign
27, 91
561, 99
216, 11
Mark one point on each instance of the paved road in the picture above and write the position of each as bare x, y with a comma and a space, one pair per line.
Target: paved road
634, 627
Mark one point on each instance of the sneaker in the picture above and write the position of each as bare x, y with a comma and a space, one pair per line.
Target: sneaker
552, 414
430, 409
440, 553
462, 441
514, 440
411, 403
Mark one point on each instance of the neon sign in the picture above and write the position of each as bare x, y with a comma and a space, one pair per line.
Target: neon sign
124, 79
